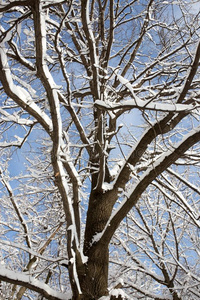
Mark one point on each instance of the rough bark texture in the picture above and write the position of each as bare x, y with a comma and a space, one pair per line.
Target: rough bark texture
94, 281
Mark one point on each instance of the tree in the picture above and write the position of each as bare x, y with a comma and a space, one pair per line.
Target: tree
71, 72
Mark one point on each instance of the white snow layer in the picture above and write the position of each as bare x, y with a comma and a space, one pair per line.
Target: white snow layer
36, 284
133, 103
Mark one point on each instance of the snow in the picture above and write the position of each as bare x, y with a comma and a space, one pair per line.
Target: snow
114, 171
14, 118
19, 139
7, 144
97, 237
119, 292
106, 186
151, 295
125, 82
65, 154
76, 279
27, 86
8, 35
52, 2
25, 280
132, 103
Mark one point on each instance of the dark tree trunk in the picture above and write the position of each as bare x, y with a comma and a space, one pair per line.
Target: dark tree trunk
94, 281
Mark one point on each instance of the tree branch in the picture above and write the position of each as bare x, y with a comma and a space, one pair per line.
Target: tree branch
19, 94
31, 283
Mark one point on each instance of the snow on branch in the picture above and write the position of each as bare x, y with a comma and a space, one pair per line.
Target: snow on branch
184, 180
16, 209
32, 252
149, 294
28, 281
136, 102
14, 118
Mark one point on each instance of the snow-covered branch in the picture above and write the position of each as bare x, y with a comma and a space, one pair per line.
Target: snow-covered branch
14, 118
30, 282
136, 102
19, 94
17, 209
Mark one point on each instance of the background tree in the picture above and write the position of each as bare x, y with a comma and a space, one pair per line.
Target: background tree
102, 98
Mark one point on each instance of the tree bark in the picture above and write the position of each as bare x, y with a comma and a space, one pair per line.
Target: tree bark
94, 281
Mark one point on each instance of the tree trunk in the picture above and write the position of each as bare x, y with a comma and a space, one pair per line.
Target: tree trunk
94, 281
